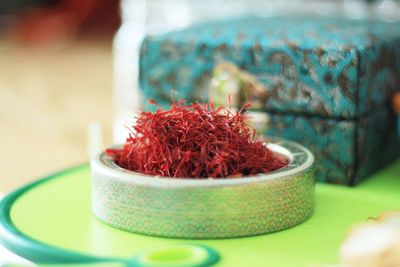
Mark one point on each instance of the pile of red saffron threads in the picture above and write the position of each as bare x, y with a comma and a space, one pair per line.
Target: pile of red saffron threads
195, 141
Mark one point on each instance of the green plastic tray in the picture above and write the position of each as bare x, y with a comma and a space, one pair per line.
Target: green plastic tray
50, 221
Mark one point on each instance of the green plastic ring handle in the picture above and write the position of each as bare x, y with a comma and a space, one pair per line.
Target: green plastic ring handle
178, 256
46, 255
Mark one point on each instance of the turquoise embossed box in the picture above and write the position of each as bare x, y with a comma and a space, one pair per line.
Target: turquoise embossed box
324, 82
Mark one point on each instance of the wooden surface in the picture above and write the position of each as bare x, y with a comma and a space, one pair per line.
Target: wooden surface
47, 99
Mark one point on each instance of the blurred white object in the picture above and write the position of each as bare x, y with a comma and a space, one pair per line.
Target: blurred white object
8, 257
388, 10
373, 244
139, 18
95, 139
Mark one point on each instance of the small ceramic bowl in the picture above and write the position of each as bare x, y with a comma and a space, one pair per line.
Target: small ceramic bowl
206, 208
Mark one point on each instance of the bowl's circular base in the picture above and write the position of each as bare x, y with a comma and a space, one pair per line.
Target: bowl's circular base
204, 209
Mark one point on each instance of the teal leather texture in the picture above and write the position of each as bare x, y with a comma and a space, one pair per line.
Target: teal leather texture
346, 151
325, 66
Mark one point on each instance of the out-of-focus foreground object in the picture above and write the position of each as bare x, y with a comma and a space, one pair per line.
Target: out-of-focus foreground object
374, 243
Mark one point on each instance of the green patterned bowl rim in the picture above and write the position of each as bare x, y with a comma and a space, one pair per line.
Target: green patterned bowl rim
295, 152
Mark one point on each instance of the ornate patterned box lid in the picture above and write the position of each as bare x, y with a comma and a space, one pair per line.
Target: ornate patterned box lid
333, 67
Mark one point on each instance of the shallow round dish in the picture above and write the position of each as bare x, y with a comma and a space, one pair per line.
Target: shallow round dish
206, 208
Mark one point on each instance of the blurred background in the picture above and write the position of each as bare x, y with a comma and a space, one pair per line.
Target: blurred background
67, 63
55, 78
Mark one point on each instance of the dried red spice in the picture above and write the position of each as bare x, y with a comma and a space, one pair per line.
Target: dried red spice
195, 141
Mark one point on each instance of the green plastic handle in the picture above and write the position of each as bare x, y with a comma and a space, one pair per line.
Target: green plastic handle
184, 255
167, 256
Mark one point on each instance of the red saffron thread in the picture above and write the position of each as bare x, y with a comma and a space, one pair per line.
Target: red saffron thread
195, 141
